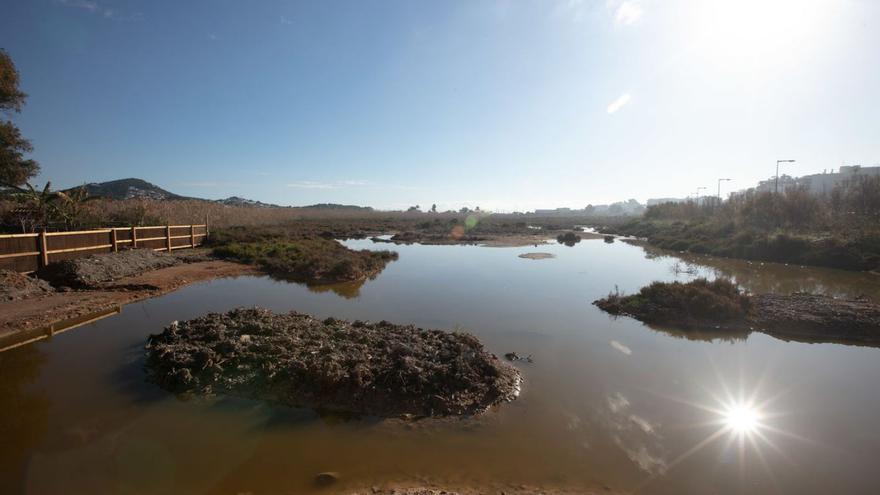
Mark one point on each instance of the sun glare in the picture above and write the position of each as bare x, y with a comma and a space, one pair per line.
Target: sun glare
742, 419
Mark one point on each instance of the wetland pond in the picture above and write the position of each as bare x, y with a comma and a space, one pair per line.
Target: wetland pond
608, 404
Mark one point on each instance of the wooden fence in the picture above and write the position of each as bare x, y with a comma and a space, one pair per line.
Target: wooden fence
29, 252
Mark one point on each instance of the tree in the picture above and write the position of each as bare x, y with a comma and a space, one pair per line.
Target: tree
15, 169
434, 208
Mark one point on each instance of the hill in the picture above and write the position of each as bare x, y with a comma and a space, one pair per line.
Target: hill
239, 201
128, 189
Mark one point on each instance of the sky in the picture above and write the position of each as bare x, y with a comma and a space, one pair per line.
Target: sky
507, 105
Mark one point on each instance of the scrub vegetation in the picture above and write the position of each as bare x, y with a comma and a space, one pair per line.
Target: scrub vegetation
682, 303
840, 230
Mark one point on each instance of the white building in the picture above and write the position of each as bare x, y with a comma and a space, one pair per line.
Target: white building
820, 184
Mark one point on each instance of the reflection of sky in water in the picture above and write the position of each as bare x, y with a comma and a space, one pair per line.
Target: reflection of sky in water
606, 401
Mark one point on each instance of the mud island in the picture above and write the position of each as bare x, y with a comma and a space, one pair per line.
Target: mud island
294, 359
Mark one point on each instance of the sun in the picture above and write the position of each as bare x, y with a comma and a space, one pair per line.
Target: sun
742, 419
750, 34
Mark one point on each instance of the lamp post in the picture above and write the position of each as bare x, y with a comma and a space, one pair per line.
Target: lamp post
776, 188
719, 188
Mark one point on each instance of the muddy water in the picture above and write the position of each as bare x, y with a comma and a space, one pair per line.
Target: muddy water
607, 403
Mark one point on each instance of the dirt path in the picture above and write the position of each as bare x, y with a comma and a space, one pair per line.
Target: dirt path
42, 311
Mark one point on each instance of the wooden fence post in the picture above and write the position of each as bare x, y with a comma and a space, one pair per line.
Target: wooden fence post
134, 237
113, 237
44, 252
168, 237
192, 236
207, 230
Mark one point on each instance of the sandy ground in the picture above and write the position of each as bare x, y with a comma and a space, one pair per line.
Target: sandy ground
45, 310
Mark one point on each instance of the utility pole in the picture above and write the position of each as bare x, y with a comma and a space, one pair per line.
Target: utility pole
776, 188
719, 188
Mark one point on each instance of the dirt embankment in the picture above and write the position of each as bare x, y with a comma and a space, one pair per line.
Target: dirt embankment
722, 307
99, 269
378, 369
45, 306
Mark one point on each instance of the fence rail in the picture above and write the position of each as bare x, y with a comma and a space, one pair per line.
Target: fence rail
29, 252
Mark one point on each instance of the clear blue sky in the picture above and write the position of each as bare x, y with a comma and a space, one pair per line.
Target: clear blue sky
501, 104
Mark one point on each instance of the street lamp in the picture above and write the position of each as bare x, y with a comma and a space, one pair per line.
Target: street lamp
776, 188
719, 188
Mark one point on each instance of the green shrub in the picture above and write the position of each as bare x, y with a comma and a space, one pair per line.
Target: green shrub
681, 303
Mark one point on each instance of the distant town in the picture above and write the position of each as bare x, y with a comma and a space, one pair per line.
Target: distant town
815, 184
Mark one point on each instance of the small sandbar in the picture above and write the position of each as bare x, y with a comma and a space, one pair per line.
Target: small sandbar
537, 256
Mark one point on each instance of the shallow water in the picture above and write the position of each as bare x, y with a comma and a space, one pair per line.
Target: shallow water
606, 402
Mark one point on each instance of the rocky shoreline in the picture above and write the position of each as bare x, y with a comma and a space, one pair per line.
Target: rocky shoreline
379, 369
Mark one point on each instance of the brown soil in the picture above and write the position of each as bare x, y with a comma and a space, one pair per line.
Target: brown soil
52, 307
379, 369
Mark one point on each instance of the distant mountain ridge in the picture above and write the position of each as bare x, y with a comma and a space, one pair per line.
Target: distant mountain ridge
134, 188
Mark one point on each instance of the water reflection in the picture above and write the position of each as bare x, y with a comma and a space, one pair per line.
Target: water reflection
633, 434
761, 278
348, 290
24, 413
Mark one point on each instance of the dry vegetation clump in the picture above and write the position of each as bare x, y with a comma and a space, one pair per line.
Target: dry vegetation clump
294, 359
684, 304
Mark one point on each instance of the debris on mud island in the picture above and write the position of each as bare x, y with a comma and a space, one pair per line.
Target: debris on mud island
720, 305
295, 359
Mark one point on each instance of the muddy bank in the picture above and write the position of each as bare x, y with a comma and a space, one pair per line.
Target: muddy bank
502, 239
809, 316
294, 359
490, 240
720, 306
499, 488
43, 310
